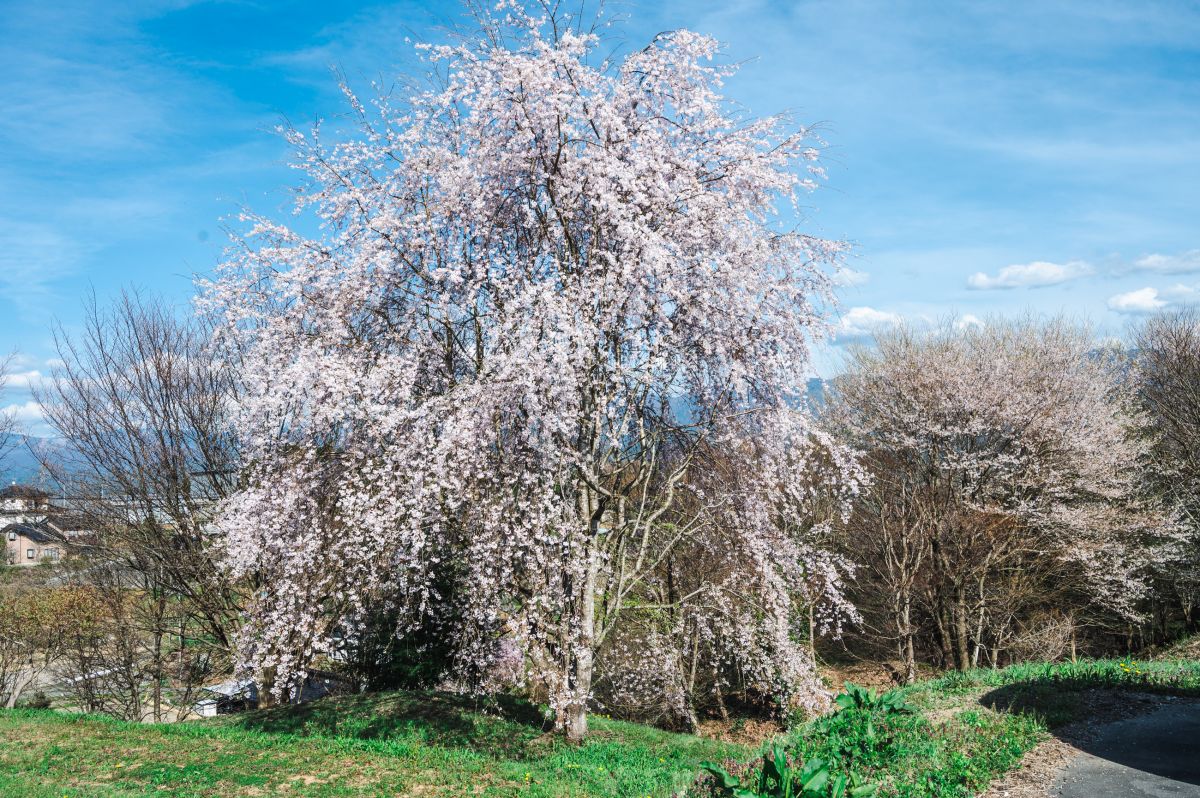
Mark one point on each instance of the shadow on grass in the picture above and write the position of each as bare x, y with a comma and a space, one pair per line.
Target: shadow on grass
1052, 702
501, 726
1155, 738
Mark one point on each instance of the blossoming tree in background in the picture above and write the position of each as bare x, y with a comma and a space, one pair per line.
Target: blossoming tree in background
1166, 350
1008, 486
541, 288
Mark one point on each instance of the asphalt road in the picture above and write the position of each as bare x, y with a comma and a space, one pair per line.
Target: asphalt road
1149, 756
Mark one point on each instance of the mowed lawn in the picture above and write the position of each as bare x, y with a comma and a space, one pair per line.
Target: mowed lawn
390, 744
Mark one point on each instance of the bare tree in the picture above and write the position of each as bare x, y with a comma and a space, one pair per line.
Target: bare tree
1167, 374
8, 420
884, 536
36, 623
147, 455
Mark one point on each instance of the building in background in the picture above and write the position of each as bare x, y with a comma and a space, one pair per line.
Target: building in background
32, 543
36, 528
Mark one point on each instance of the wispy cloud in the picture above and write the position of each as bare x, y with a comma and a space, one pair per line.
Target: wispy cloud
1149, 299
34, 257
110, 142
1030, 275
962, 138
850, 278
1181, 263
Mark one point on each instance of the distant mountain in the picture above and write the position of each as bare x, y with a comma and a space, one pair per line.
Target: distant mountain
19, 462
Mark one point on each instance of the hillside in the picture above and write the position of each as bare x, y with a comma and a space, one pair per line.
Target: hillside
965, 730
386, 744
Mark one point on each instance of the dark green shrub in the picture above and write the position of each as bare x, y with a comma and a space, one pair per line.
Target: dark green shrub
864, 699
778, 777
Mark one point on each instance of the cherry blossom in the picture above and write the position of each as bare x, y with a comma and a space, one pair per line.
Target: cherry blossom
540, 287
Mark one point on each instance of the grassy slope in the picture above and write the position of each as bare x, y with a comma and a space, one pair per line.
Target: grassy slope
1187, 648
387, 744
970, 728
975, 726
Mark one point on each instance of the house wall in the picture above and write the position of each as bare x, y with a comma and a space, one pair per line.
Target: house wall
17, 551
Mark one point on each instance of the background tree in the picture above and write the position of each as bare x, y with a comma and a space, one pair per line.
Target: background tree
8, 421
723, 619
1167, 375
140, 407
36, 625
546, 284
1002, 454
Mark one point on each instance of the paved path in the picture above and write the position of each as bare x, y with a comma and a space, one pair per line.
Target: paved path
1156, 755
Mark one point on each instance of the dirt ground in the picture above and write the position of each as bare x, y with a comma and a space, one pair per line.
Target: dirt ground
879, 676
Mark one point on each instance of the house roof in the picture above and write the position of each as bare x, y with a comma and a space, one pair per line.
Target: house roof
64, 521
241, 688
38, 533
15, 491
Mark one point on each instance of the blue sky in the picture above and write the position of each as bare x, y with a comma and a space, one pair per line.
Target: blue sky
983, 157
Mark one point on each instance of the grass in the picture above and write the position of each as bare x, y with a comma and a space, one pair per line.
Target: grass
1052, 691
915, 755
969, 729
1186, 648
387, 744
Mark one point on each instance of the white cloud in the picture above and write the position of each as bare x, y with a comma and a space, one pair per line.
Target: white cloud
1149, 299
861, 322
29, 413
1030, 275
1143, 300
1169, 264
967, 320
851, 278
23, 379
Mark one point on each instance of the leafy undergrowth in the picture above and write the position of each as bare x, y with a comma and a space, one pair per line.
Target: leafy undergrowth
386, 744
1187, 648
949, 737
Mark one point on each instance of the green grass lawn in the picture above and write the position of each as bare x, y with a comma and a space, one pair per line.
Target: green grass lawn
388, 744
968, 729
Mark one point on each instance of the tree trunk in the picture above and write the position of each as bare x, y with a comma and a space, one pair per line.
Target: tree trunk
943, 633
266, 688
22, 680
907, 648
979, 622
962, 653
719, 697
575, 716
579, 677
158, 676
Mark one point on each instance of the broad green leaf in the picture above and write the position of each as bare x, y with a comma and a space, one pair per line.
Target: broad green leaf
723, 778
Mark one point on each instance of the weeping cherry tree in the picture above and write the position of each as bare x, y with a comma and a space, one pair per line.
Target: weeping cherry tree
541, 285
